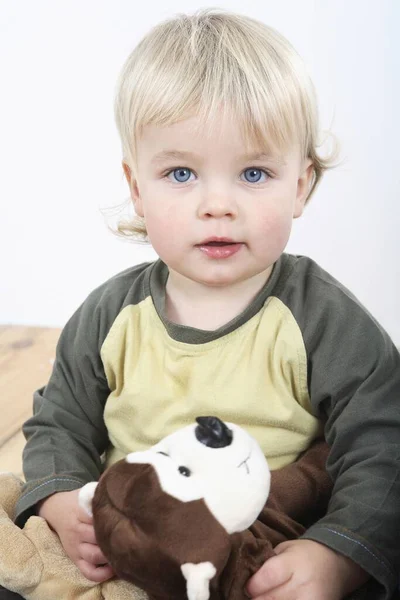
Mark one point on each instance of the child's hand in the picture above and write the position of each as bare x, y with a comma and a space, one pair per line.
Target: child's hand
304, 569
75, 530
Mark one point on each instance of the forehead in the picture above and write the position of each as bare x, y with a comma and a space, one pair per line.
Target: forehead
167, 155
190, 139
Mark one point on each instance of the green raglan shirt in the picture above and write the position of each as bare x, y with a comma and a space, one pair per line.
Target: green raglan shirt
302, 358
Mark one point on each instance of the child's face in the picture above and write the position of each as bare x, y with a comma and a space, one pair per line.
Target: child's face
214, 216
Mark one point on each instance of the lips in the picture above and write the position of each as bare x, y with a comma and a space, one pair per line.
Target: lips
219, 247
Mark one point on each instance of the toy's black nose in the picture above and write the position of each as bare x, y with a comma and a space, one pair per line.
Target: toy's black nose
213, 432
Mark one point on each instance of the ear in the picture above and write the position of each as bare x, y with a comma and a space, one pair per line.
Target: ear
303, 187
134, 189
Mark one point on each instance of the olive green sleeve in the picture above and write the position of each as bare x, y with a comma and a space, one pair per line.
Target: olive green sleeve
354, 386
66, 435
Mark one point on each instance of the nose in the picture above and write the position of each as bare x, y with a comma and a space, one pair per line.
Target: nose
212, 432
217, 206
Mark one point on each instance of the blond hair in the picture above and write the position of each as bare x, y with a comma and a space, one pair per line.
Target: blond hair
192, 64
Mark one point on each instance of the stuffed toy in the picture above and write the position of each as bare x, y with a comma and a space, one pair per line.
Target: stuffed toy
170, 520
33, 562
173, 519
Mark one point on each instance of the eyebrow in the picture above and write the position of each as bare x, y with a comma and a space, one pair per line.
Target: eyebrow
176, 155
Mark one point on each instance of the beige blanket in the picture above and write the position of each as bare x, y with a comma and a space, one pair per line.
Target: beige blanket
33, 562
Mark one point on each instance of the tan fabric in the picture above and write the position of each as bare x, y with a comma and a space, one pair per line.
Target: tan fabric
34, 564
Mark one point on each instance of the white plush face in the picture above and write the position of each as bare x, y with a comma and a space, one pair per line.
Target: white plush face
233, 480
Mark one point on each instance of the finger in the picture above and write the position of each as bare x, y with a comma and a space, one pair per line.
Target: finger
282, 547
282, 592
272, 574
86, 533
92, 554
97, 574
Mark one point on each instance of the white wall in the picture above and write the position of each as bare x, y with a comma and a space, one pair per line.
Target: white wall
60, 155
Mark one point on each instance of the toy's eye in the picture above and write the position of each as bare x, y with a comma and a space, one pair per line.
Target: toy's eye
164, 453
184, 471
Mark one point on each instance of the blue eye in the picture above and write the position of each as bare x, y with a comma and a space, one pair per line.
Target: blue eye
181, 175
254, 175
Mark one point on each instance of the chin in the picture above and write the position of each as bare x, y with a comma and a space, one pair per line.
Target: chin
219, 279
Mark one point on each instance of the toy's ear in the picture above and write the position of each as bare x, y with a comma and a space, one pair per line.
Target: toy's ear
85, 497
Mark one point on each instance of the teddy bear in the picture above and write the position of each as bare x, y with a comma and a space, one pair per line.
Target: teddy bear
162, 501
176, 520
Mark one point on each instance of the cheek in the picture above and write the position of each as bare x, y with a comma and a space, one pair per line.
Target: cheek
273, 227
160, 206
165, 226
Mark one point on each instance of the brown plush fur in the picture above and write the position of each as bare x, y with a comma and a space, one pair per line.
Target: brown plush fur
147, 535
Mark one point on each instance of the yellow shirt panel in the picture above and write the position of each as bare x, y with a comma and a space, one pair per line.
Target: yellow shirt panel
255, 376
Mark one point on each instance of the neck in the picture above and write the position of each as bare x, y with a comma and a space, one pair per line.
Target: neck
193, 304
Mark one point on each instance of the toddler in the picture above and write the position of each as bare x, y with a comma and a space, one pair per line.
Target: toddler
219, 129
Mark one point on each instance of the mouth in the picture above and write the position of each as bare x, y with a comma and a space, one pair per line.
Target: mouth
219, 247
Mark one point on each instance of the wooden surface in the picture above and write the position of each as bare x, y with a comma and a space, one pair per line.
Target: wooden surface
26, 357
